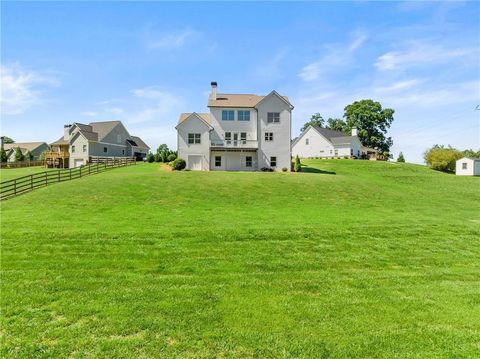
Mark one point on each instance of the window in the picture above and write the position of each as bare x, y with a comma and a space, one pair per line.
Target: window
243, 115
123, 152
336, 152
84, 148
228, 136
464, 165
194, 138
248, 161
273, 117
73, 149
218, 161
243, 136
273, 161
268, 136
351, 151
307, 142
228, 115
105, 150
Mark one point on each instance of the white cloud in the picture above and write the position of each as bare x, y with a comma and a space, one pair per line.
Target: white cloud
421, 53
169, 40
21, 89
334, 57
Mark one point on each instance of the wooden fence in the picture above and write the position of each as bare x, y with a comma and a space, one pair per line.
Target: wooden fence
28, 183
18, 164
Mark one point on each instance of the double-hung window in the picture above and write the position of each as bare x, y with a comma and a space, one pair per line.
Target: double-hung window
248, 161
268, 136
105, 150
464, 165
273, 161
73, 149
228, 115
84, 148
243, 115
273, 117
307, 141
243, 137
218, 161
194, 138
228, 137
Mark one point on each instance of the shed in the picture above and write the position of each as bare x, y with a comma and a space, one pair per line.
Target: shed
467, 166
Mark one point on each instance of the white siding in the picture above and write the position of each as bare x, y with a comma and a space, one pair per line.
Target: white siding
194, 125
473, 167
318, 146
281, 144
220, 127
233, 161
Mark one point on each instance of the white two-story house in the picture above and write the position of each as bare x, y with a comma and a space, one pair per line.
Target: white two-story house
242, 132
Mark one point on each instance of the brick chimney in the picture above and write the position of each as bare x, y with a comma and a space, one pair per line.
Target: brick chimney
213, 94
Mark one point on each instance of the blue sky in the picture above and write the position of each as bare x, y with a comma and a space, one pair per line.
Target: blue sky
145, 62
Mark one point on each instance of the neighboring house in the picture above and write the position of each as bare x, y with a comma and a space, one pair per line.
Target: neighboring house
242, 132
80, 143
36, 148
467, 166
326, 143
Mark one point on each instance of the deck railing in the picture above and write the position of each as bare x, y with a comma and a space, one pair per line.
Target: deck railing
235, 143
28, 183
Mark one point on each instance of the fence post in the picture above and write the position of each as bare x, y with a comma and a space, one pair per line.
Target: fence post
70, 170
15, 186
80, 172
89, 169
31, 182
46, 179
58, 175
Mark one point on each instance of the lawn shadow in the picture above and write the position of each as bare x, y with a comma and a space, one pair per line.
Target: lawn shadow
307, 169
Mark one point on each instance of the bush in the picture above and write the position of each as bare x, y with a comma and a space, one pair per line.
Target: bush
400, 158
297, 167
179, 164
442, 159
19, 155
284, 169
266, 169
3, 155
157, 157
150, 158
171, 157
29, 156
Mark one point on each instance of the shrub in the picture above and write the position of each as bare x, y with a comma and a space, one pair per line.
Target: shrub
29, 156
284, 169
266, 169
179, 164
150, 158
3, 155
297, 167
19, 155
171, 157
442, 159
400, 158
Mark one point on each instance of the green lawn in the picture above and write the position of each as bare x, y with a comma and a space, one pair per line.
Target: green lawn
377, 260
11, 173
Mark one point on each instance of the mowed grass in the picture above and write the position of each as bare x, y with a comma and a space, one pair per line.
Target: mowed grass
11, 173
378, 260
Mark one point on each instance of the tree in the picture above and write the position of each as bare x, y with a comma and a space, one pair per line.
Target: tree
3, 155
372, 122
162, 153
150, 157
42, 155
19, 155
315, 120
297, 167
336, 124
29, 156
442, 158
7, 140
400, 158
471, 153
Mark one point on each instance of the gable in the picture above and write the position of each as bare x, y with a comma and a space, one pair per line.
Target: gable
188, 117
111, 132
277, 99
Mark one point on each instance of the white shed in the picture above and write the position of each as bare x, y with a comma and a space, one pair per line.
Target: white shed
467, 166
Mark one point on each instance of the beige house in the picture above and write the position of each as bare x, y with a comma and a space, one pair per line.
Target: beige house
81, 142
36, 148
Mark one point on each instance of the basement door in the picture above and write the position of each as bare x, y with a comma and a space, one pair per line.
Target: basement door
195, 162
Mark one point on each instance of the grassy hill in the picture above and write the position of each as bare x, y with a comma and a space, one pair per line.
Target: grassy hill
350, 259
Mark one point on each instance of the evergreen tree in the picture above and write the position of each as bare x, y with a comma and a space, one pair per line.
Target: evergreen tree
3, 155
400, 157
19, 155
29, 156
297, 167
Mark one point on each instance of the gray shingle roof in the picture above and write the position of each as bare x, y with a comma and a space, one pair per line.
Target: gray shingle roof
103, 128
140, 142
336, 137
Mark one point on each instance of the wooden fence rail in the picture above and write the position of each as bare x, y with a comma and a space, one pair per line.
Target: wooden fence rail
19, 164
20, 185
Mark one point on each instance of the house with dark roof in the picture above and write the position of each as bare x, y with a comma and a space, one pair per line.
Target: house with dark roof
81, 142
36, 148
326, 143
241, 132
